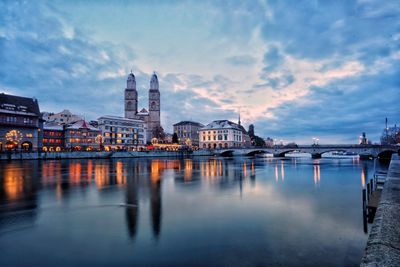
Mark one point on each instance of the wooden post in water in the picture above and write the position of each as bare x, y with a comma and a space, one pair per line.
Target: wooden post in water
368, 191
372, 185
364, 207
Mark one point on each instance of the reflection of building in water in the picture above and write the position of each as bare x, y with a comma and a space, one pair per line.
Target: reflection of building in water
101, 175
317, 175
282, 171
155, 200
132, 209
188, 170
18, 193
253, 174
364, 173
153, 187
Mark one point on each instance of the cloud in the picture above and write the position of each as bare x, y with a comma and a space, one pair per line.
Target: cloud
295, 69
243, 60
272, 59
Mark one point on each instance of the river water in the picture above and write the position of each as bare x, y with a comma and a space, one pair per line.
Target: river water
183, 212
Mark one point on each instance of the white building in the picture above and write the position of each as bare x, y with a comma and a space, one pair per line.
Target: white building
63, 117
223, 134
122, 133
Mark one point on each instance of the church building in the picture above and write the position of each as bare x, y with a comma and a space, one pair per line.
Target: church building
150, 116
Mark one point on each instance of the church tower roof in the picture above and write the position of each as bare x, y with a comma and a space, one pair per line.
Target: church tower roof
154, 82
131, 81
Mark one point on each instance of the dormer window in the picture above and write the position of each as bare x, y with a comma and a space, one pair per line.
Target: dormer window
22, 108
8, 106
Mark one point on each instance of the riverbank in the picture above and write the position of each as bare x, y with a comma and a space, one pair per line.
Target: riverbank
101, 155
383, 246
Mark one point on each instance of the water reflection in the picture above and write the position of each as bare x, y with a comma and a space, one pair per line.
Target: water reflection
18, 195
163, 194
317, 175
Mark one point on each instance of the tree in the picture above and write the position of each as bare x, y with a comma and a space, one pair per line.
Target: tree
258, 141
158, 133
175, 139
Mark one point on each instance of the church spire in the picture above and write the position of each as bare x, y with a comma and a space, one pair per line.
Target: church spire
154, 82
239, 122
131, 81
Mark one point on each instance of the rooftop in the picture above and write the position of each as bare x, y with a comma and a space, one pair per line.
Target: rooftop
82, 125
223, 124
111, 117
189, 122
12, 103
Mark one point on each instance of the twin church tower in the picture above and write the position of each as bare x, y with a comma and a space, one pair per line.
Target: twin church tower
152, 116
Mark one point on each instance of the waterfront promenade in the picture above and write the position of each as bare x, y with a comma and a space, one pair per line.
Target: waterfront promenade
92, 155
383, 246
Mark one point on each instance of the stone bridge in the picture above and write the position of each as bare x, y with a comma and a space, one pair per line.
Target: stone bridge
316, 151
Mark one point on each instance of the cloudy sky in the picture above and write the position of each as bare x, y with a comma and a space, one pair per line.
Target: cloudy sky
296, 69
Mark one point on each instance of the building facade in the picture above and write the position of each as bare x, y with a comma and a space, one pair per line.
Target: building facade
223, 134
81, 136
188, 132
53, 137
122, 133
151, 116
20, 123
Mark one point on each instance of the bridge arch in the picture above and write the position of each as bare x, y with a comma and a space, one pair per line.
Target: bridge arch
256, 151
387, 154
227, 153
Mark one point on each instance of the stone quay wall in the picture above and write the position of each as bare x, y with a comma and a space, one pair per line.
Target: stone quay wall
383, 245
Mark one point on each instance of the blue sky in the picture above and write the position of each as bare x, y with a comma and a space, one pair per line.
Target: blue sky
295, 69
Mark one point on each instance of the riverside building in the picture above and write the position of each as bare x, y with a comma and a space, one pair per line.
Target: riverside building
122, 133
20, 124
188, 132
223, 134
81, 136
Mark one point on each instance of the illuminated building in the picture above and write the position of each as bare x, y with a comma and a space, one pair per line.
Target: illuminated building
223, 134
188, 132
19, 123
53, 137
152, 116
81, 136
122, 133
